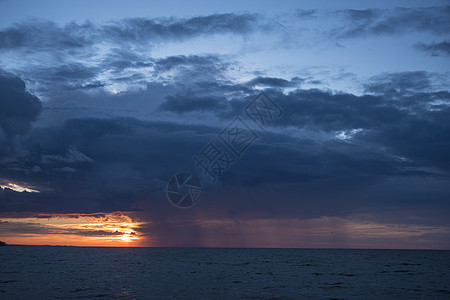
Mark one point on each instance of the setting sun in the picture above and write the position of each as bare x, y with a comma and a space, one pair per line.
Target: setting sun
127, 238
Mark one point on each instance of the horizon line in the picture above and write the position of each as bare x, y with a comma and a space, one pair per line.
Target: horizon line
210, 247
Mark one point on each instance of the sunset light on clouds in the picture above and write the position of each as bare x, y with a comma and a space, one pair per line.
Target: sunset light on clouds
100, 229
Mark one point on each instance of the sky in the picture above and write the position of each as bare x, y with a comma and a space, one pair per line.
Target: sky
306, 124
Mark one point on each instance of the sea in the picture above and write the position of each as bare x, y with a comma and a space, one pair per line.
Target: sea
46, 272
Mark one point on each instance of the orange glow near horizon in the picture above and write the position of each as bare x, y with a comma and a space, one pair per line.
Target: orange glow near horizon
116, 229
121, 229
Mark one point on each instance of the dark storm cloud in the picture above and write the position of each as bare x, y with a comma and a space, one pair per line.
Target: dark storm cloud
121, 163
116, 162
407, 125
435, 49
400, 20
18, 110
332, 112
422, 136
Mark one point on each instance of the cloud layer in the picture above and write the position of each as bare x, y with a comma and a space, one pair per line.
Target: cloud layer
118, 118
18, 110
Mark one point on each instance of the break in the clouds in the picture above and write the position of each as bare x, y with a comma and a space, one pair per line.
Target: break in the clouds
96, 117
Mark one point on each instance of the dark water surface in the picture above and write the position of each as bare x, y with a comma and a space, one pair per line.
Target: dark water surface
41, 272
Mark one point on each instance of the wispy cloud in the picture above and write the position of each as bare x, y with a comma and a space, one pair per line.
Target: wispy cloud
435, 49
397, 21
45, 35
